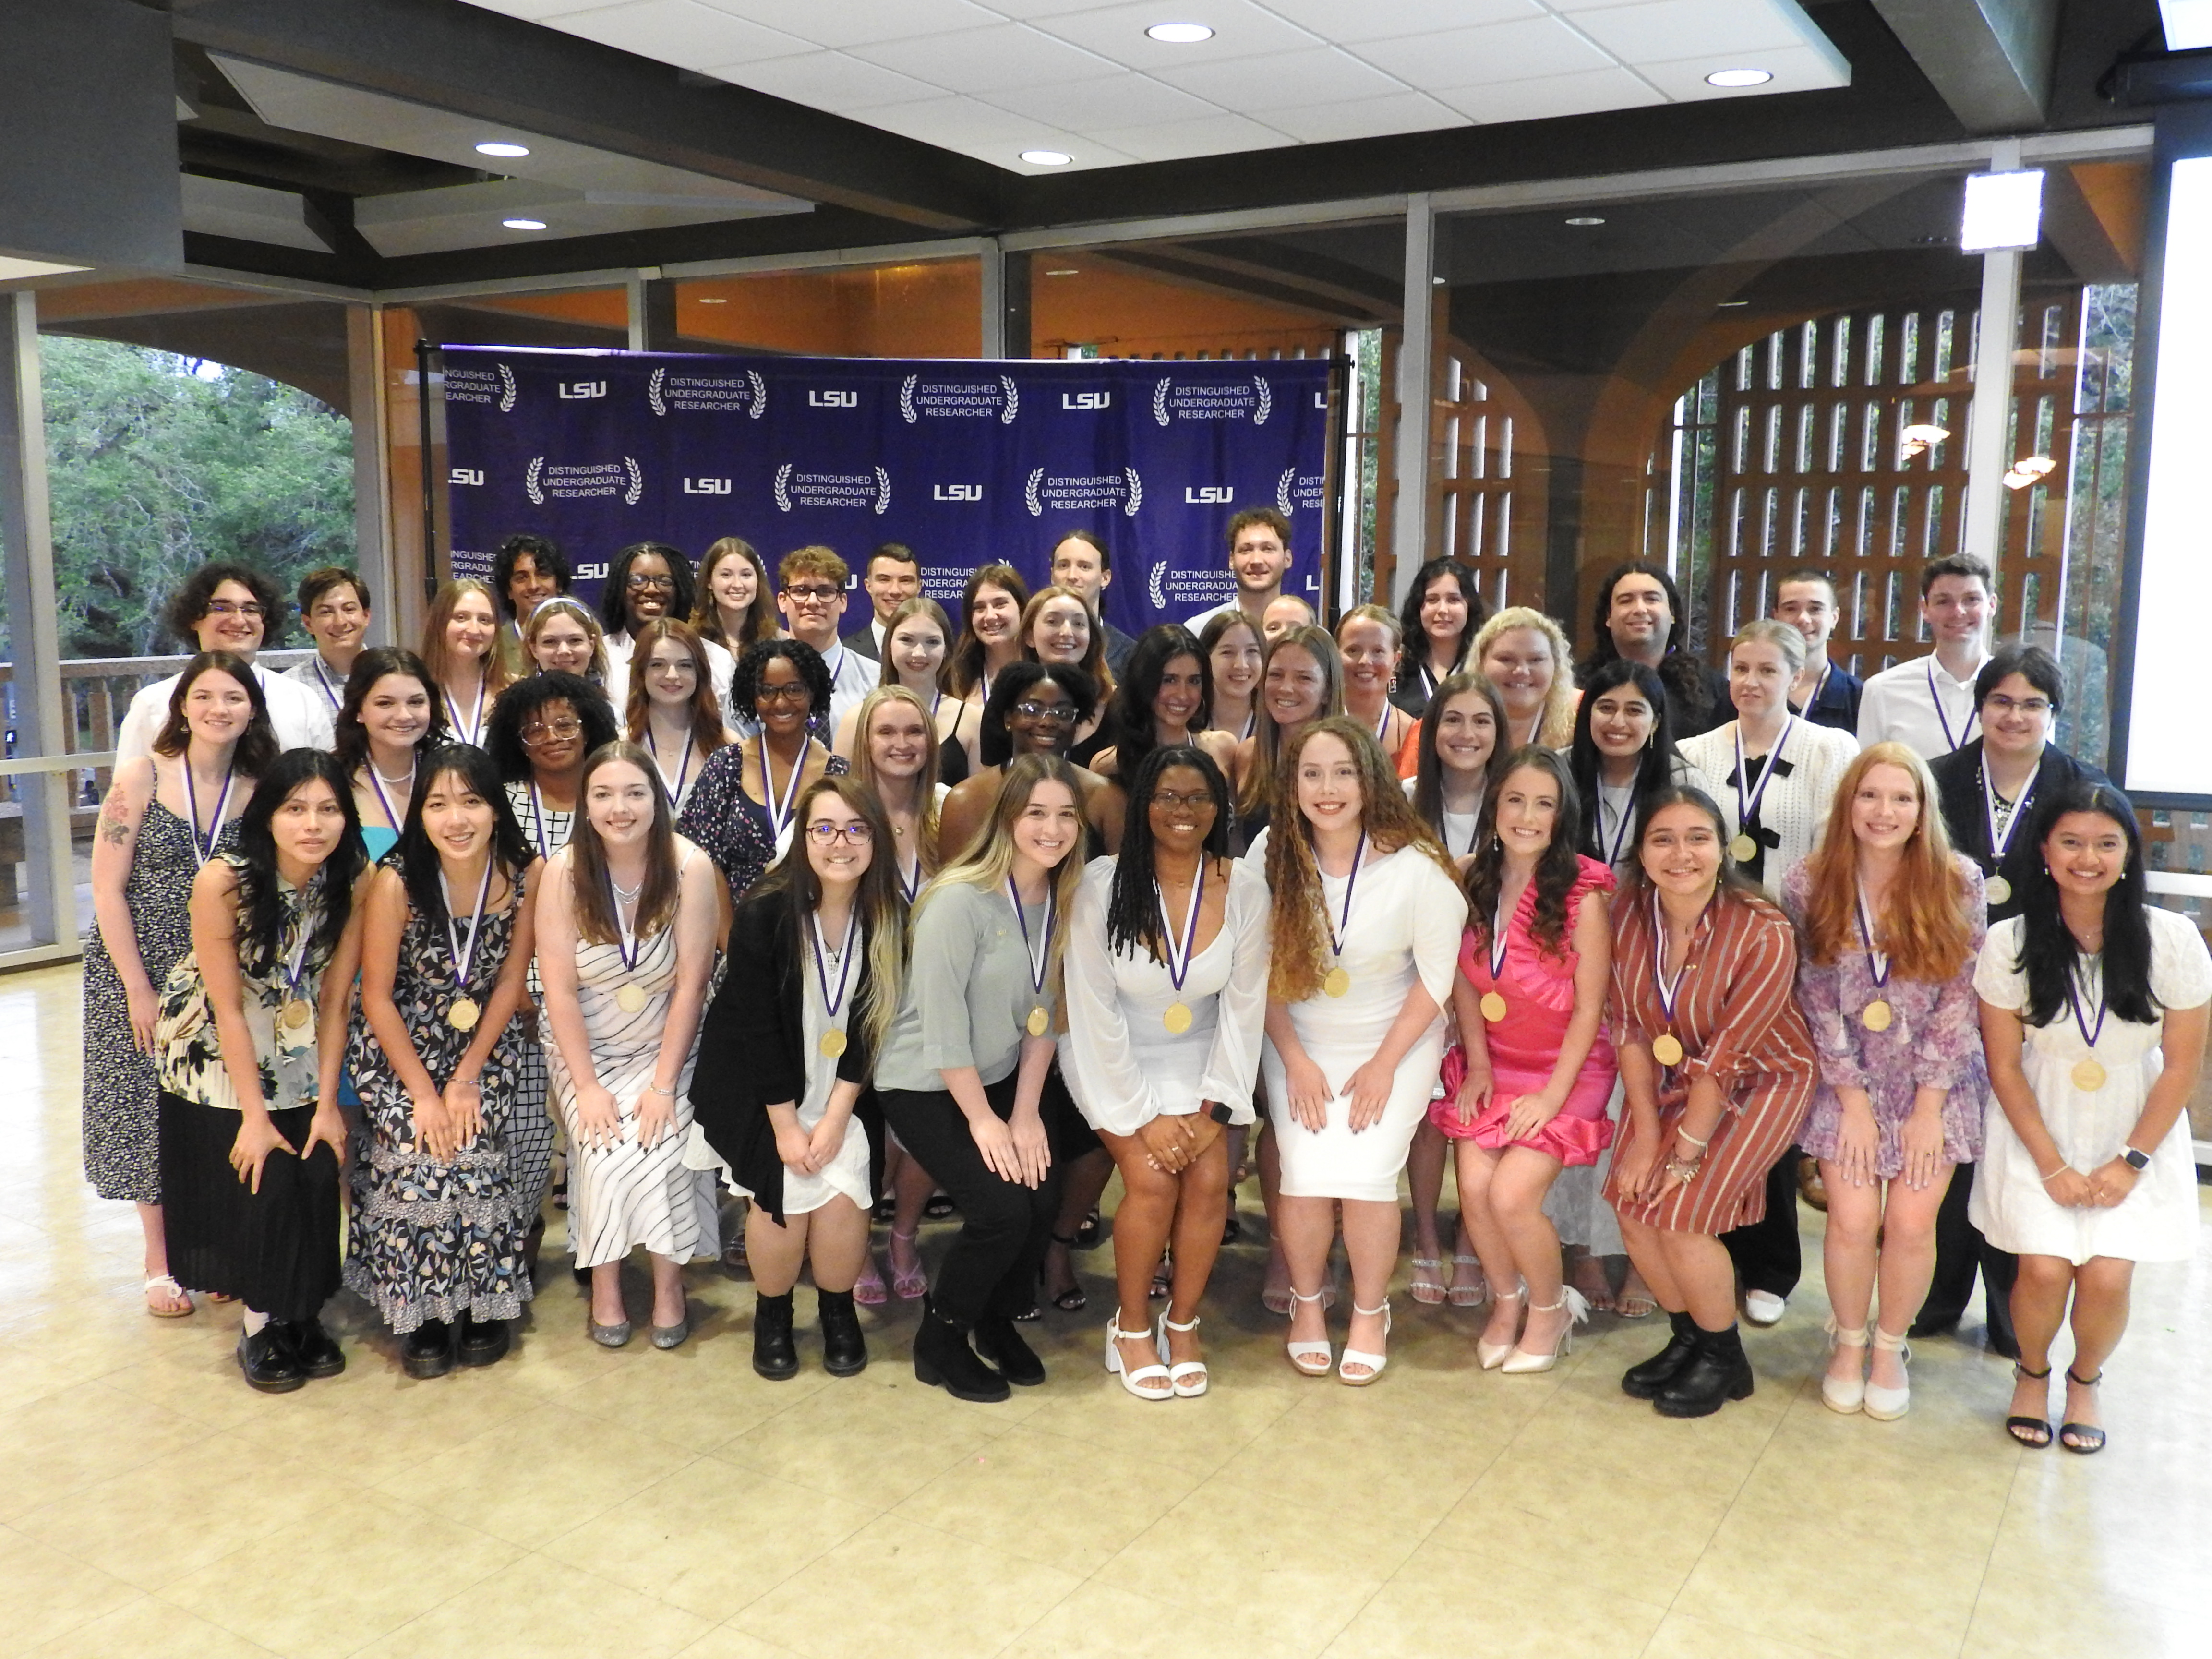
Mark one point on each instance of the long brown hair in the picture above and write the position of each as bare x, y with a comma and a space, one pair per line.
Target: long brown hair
437, 658
881, 901
706, 732
1923, 927
1300, 960
920, 606
590, 890
1268, 761
925, 781
707, 614
1094, 655
964, 669
254, 749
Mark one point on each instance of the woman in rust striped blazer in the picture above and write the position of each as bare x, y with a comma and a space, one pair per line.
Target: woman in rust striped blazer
1719, 1070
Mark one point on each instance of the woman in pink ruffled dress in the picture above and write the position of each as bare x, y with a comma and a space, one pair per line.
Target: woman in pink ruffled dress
1534, 969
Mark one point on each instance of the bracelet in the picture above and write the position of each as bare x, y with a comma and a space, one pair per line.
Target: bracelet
2054, 1173
1686, 1172
1684, 1134
656, 1089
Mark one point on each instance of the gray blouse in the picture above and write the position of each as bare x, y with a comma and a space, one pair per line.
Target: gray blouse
968, 992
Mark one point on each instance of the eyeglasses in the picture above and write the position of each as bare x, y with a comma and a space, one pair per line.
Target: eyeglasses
1029, 710
823, 594
1172, 802
782, 693
855, 833
636, 582
1998, 703
543, 731
227, 608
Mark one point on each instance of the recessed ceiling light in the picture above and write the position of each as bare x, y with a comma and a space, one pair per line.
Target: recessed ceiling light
1585, 220
1047, 158
1065, 271
712, 300
1180, 34
1727, 304
524, 224
1739, 77
490, 147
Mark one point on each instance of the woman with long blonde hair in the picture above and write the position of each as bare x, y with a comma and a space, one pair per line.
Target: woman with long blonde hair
1525, 654
1368, 914
460, 639
1890, 923
672, 713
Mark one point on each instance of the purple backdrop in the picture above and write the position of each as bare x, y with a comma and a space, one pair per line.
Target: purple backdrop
964, 462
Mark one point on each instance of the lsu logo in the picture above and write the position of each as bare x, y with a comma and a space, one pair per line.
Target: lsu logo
592, 572
583, 388
1210, 495
1086, 400
958, 492
832, 399
705, 486
465, 475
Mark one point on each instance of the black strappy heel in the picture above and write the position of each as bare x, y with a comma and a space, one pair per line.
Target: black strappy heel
2085, 1437
2032, 1432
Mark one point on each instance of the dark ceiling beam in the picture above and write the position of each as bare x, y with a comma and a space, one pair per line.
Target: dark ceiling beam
463, 59
1990, 59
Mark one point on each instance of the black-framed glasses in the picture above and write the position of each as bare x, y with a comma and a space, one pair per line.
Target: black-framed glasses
855, 832
1997, 702
1172, 802
824, 594
782, 693
636, 582
227, 608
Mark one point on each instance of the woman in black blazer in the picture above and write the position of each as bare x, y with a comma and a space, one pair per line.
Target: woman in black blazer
816, 959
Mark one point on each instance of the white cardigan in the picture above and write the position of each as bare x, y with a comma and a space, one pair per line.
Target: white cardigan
1795, 807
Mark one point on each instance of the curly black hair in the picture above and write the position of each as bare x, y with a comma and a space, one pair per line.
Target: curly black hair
1016, 680
544, 553
189, 608
753, 661
614, 609
1133, 911
503, 731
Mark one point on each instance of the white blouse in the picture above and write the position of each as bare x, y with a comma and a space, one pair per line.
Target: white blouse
1795, 807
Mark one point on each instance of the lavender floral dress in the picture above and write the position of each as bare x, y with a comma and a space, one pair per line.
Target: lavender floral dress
1934, 1040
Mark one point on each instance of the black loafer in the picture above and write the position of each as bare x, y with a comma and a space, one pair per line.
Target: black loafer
484, 1341
267, 1361
314, 1349
428, 1350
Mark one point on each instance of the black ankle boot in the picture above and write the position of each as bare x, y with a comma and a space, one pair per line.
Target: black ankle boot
775, 1356
314, 1349
1717, 1373
844, 1350
1644, 1382
944, 1359
267, 1361
484, 1341
428, 1351
1002, 1345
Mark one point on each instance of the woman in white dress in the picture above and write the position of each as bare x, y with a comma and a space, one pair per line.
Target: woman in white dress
626, 926
815, 967
1167, 992
1366, 940
2094, 1017
672, 710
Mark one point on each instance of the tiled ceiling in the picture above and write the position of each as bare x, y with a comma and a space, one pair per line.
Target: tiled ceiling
992, 80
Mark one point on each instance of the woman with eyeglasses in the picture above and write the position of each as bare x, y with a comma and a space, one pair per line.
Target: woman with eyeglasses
815, 974
990, 639
391, 717
649, 581
1034, 710
460, 640
673, 713
1443, 612
1167, 993
233, 608
741, 813
165, 815
562, 637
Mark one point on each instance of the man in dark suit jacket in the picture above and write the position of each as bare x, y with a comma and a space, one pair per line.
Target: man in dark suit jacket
1824, 693
893, 576
2017, 694
1081, 562
1639, 615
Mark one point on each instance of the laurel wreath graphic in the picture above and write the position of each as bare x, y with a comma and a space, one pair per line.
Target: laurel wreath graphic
1160, 402
653, 391
1266, 401
1014, 401
1283, 491
760, 394
883, 490
906, 399
782, 488
1136, 492
530, 482
636, 483
509, 391
1030, 493
1159, 586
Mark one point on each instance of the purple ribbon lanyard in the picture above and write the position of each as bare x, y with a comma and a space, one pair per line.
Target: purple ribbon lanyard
777, 818
1179, 970
202, 854
1669, 989
464, 957
626, 945
1339, 930
1877, 961
2074, 1005
1038, 950
1951, 745
830, 1004
1497, 940
1999, 843
475, 727
1746, 808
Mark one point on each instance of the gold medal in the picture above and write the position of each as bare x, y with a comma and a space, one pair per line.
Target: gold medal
1039, 1021
1998, 891
1743, 849
2088, 1076
630, 999
1338, 982
294, 1014
1666, 1049
1876, 1015
1493, 1006
832, 1043
1177, 1018
464, 1014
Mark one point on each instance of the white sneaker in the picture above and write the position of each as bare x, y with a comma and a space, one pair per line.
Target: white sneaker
1763, 1307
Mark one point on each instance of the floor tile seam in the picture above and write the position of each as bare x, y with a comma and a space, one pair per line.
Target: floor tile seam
82, 1561
240, 1636
136, 1594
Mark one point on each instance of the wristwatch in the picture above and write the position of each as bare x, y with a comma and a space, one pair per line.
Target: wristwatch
1219, 1112
2133, 1158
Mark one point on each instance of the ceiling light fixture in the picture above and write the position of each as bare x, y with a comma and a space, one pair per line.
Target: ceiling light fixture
1064, 271
1918, 440
1047, 158
503, 148
1180, 34
1584, 221
1739, 77
712, 300
524, 224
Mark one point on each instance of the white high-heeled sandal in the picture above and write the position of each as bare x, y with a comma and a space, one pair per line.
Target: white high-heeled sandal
1844, 1394
1300, 1352
1130, 1379
1887, 1405
1352, 1356
1182, 1371
1522, 1363
1493, 1354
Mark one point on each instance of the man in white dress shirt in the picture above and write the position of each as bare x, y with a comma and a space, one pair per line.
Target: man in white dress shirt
1259, 557
229, 607
891, 578
811, 593
334, 609
1927, 703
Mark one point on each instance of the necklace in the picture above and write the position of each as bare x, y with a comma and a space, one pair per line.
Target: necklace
408, 776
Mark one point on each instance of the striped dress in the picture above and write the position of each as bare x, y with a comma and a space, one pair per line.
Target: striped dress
624, 1196
1737, 1016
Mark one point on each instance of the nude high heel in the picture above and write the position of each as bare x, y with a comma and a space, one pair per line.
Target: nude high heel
1522, 1363
1493, 1354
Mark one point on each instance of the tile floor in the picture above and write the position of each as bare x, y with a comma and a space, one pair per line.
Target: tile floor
573, 1501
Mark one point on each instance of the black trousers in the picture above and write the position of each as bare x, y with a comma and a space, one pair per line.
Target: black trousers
1960, 1253
1766, 1253
992, 1268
